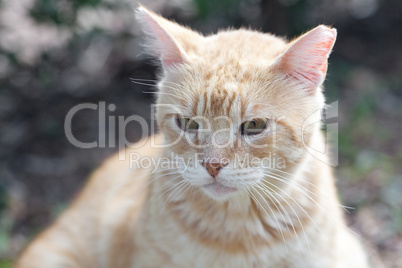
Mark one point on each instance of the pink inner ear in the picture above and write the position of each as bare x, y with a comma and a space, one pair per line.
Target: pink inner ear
169, 51
306, 59
161, 42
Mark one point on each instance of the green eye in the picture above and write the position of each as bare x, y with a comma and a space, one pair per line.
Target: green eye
187, 124
253, 127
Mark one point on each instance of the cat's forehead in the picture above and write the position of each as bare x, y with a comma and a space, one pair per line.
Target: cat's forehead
222, 89
223, 94
241, 46
225, 75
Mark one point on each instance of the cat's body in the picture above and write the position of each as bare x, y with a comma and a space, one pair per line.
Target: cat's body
128, 216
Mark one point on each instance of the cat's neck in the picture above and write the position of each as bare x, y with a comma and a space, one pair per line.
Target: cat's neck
246, 220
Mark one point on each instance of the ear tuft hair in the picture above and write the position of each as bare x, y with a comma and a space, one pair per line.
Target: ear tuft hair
306, 58
160, 43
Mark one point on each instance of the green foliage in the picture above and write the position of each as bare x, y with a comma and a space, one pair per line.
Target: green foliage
369, 150
3, 198
207, 7
5, 233
59, 12
5, 264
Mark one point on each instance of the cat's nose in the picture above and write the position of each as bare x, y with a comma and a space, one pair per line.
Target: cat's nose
213, 167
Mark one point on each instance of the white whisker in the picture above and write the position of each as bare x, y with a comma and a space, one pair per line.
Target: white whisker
269, 195
286, 180
295, 203
304, 188
180, 185
296, 214
273, 215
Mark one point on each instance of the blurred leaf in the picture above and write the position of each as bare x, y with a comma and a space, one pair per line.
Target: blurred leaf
3, 198
86, 2
59, 12
207, 7
347, 148
364, 108
48, 11
57, 209
5, 264
4, 240
5, 227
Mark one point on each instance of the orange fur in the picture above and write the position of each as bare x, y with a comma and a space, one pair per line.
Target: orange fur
248, 216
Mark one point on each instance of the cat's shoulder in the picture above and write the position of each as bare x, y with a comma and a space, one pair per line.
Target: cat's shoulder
123, 168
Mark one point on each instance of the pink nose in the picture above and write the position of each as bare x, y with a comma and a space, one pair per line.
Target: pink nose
213, 167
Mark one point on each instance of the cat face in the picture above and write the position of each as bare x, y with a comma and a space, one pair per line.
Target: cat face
238, 105
227, 122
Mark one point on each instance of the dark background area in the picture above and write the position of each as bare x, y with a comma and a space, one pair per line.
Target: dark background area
56, 54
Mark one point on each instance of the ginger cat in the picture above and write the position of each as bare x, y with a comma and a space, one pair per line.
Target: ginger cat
232, 106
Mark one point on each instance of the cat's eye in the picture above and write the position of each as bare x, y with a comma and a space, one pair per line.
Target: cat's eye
187, 124
253, 127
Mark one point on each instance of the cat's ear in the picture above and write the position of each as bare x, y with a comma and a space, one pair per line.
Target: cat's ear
306, 58
166, 39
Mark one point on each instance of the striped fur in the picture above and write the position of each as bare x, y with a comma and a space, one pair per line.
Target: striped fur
288, 216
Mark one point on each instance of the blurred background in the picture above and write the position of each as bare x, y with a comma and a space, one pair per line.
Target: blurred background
55, 54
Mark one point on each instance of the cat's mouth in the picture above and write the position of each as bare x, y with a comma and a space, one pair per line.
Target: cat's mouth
217, 190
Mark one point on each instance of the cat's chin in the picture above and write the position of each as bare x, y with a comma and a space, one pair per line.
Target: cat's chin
218, 191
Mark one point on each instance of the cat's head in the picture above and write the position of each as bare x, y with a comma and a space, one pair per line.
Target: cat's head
238, 105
